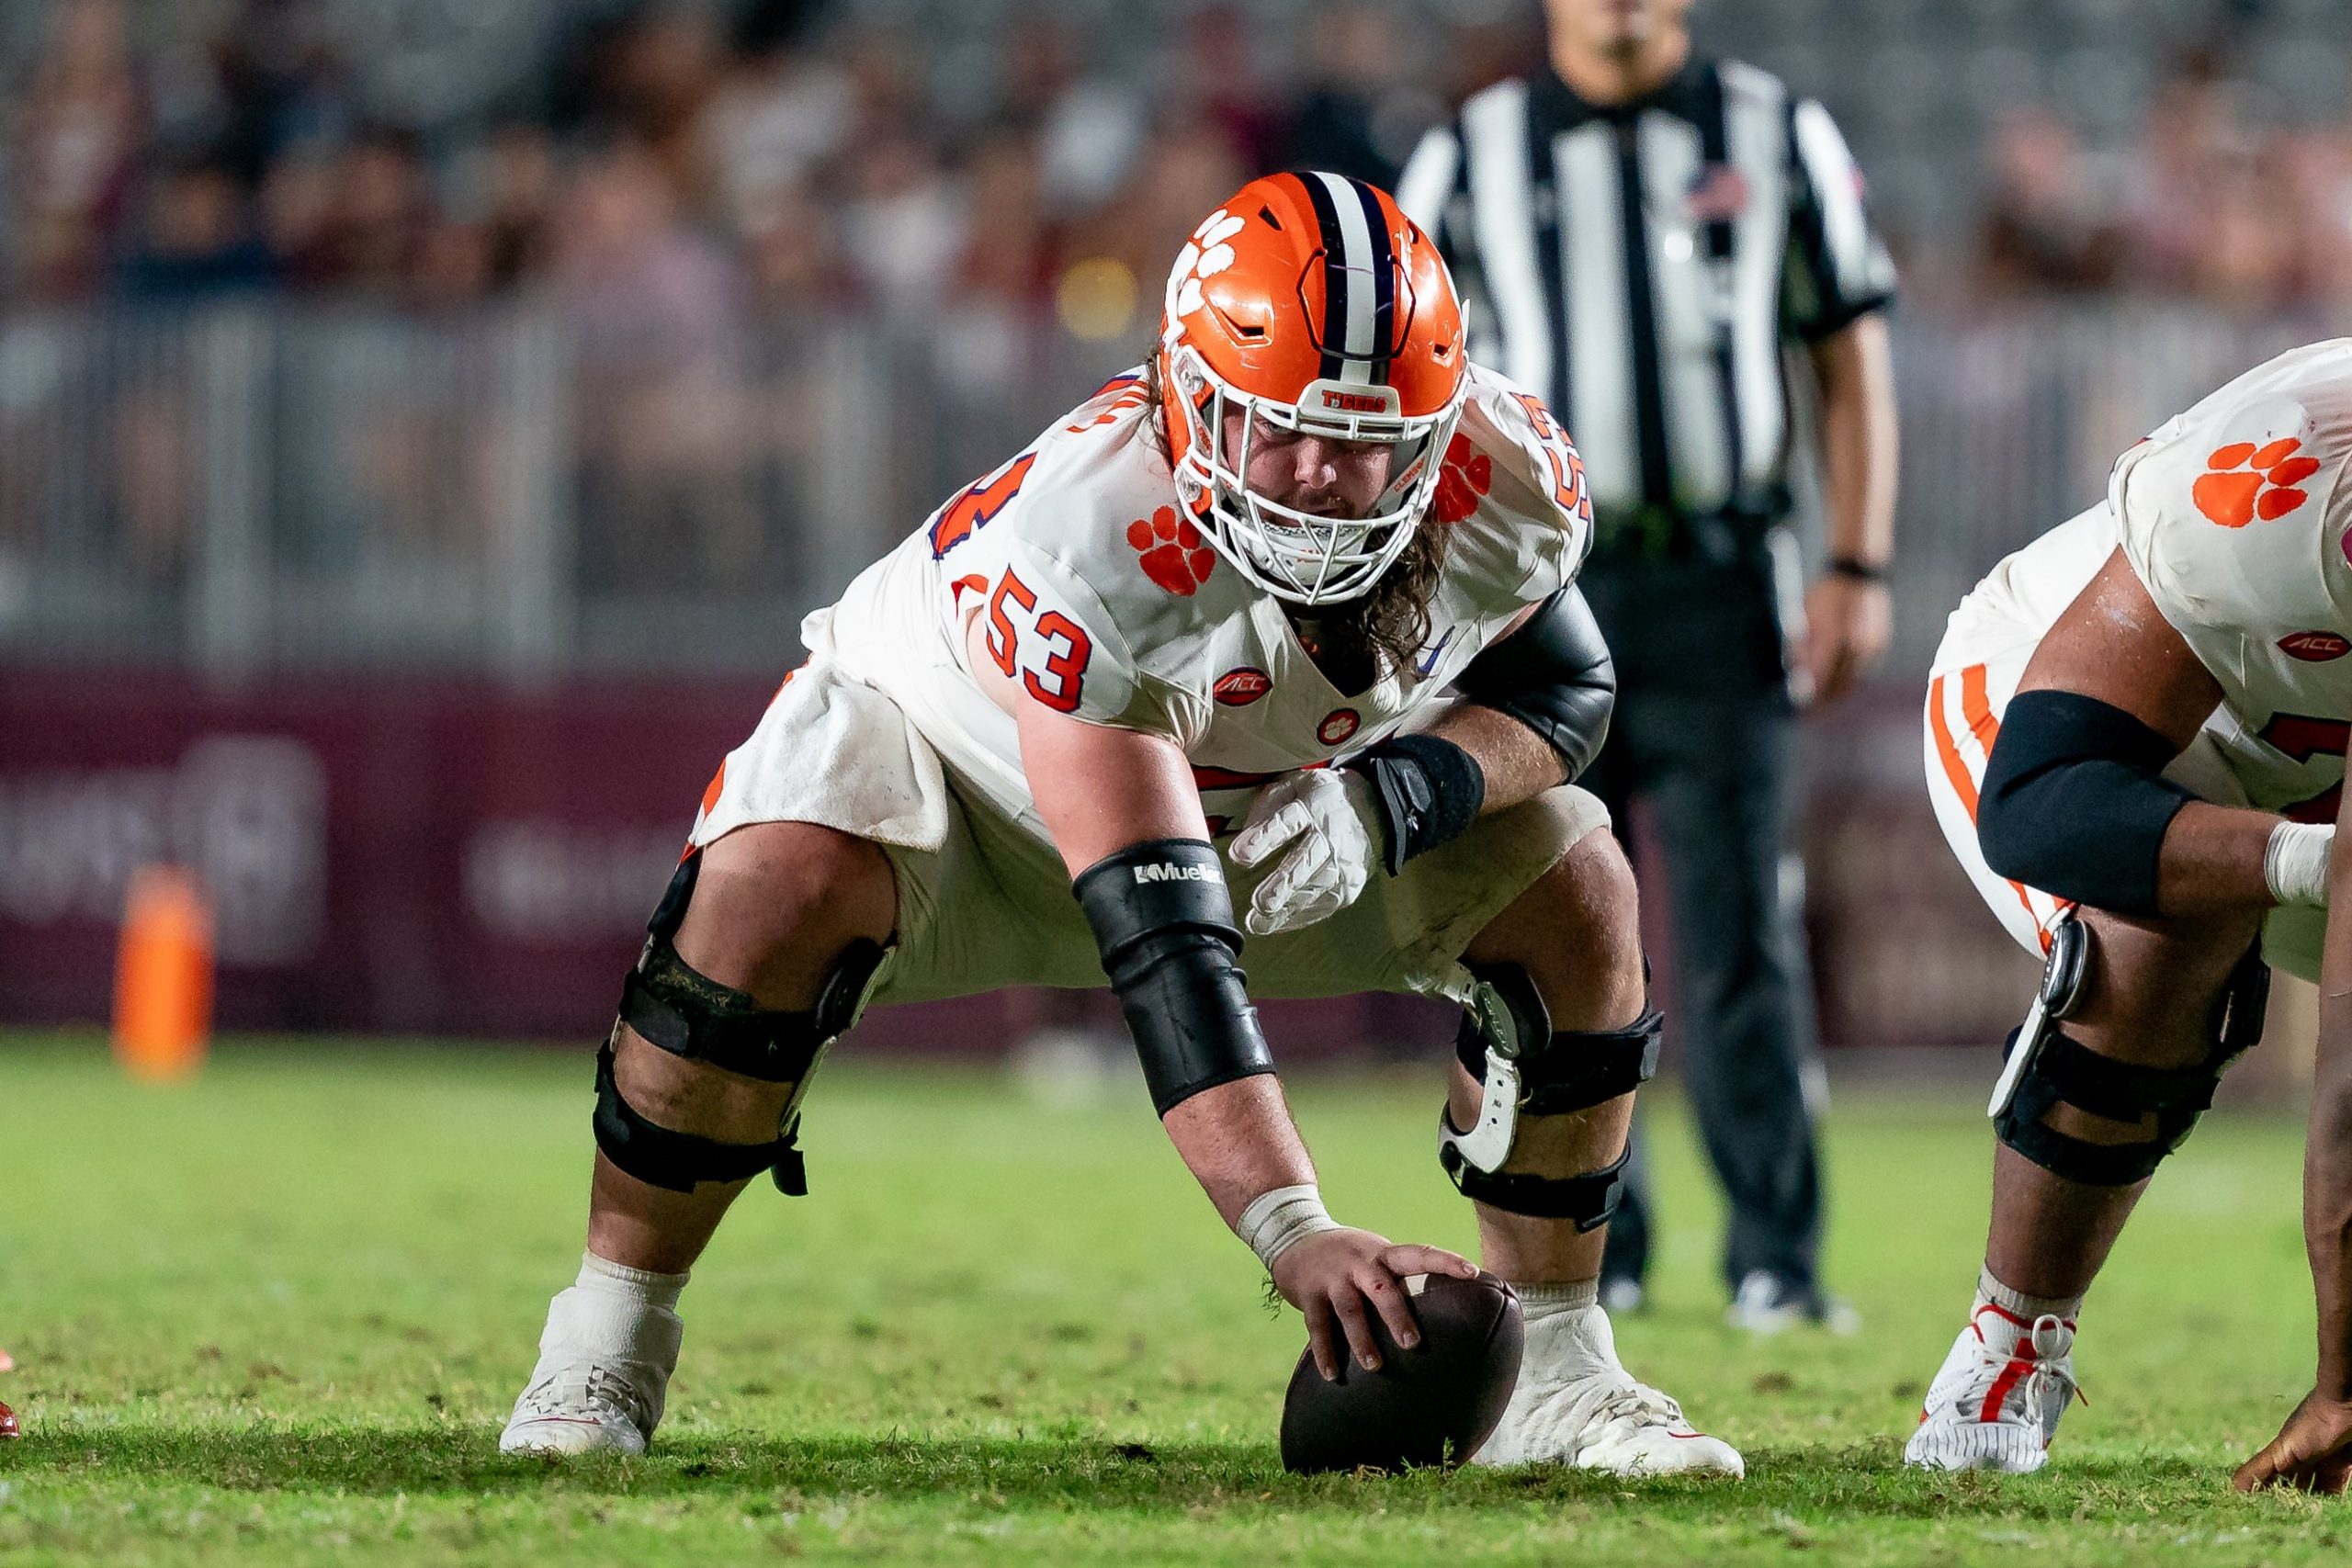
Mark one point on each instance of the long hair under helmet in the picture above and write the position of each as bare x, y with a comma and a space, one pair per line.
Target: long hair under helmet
1309, 302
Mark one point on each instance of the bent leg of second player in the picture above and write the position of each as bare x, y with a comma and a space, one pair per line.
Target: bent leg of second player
2153, 1002
1576, 933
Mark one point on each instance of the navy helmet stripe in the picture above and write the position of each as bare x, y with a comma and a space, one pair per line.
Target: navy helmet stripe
1332, 330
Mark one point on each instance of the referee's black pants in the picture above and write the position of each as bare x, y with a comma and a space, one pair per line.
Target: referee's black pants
1713, 772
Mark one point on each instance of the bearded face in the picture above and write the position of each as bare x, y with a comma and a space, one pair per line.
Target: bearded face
1316, 474
1355, 640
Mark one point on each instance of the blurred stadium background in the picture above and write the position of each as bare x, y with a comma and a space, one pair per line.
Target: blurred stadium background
423, 422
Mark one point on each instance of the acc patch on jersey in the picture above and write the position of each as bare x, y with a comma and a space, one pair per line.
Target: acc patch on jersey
2315, 648
1239, 688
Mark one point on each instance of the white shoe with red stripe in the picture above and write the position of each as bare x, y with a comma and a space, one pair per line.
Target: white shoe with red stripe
1996, 1401
1577, 1405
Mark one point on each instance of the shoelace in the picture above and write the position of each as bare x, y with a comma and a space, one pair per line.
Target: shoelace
1629, 1404
601, 1386
2039, 1348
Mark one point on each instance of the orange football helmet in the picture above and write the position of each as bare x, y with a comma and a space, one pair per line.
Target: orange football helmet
1309, 302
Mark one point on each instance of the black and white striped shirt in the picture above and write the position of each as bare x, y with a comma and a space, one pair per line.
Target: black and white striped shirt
1644, 264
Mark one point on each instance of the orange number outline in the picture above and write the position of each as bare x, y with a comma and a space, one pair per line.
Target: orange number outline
1567, 468
977, 507
1003, 643
1130, 394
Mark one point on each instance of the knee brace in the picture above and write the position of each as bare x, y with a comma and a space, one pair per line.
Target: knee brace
2046, 1069
687, 1013
1507, 1042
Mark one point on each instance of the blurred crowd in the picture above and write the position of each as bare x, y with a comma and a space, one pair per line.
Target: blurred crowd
665, 167
678, 162
2208, 203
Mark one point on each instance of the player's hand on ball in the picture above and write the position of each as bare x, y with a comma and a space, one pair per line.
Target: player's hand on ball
1326, 815
1333, 1275
2312, 1450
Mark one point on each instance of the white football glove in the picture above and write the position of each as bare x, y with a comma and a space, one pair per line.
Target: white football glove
1328, 816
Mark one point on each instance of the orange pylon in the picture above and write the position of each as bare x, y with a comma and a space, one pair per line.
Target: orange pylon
163, 990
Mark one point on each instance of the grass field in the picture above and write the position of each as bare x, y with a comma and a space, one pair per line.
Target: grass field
278, 1315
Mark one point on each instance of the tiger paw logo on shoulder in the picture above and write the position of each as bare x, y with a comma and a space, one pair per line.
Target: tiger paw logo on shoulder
1469, 474
2242, 482
1172, 552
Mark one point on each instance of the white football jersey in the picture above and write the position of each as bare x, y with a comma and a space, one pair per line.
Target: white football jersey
2234, 516
1106, 601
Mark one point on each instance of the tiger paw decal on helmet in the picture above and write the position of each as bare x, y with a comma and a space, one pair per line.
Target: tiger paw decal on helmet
1202, 257
1174, 553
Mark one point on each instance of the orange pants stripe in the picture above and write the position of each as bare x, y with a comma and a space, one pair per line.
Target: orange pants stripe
1976, 712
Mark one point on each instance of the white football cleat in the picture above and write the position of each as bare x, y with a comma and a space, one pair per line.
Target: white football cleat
1767, 1305
1577, 1405
1996, 1401
603, 1376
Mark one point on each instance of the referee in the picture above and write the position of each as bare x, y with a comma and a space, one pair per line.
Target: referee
1641, 234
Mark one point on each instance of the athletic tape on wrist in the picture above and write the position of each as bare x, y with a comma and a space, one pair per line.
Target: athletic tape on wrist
1279, 1220
2294, 863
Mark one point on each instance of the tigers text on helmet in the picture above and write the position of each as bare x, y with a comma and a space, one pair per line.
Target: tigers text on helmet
1309, 303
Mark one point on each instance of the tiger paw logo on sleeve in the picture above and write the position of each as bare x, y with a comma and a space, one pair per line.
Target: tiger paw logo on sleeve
2242, 482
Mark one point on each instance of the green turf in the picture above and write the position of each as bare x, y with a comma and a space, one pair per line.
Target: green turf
279, 1316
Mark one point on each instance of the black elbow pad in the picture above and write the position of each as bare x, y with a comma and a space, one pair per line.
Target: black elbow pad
1553, 675
2074, 802
1163, 921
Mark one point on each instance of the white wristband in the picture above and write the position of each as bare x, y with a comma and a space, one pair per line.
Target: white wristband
1277, 1221
2295, 863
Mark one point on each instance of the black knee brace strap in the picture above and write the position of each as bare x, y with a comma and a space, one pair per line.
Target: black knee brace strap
687, 1013
1559, 1073
1589, 1199
2063, 1072
1572, 1070
690, 1015
661, 1156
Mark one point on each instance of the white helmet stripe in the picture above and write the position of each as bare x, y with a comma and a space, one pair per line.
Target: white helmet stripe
1356, 313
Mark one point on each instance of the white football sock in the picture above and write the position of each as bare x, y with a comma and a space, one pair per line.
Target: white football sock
1541, 1299
1990, 1291
640, 1286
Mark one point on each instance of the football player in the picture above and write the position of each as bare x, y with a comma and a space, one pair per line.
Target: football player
2136, 729
1277, 632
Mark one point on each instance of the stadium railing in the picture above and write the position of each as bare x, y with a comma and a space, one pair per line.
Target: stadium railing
246, 488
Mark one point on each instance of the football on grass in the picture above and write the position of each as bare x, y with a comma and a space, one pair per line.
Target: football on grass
1434, 1403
